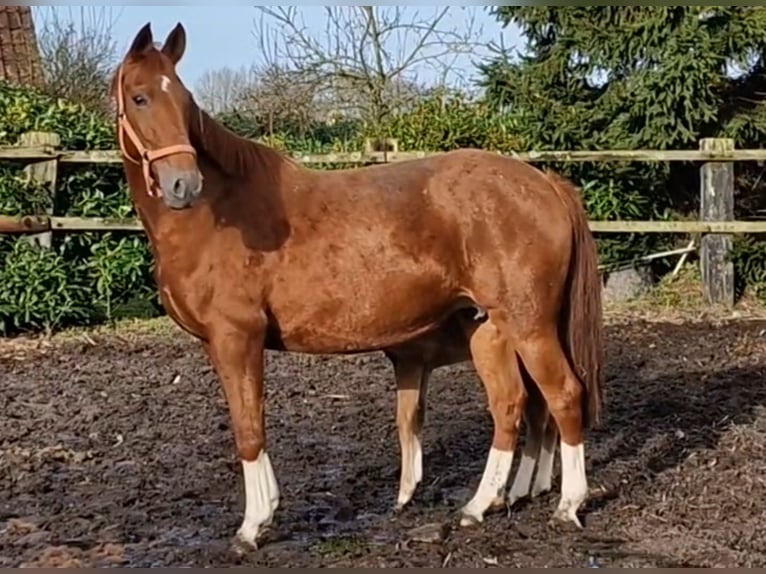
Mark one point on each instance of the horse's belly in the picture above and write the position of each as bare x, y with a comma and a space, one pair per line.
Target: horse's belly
314, 338
344, 324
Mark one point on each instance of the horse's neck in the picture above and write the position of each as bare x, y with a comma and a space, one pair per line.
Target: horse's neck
245, 182
233, 155
152, 212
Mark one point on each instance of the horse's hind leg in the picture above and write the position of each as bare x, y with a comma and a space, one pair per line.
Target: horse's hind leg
545, 460
539, 449
536, 417
497, 366
547, 364
411, 389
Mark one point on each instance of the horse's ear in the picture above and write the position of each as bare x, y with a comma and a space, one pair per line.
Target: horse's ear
175, 43
143, 40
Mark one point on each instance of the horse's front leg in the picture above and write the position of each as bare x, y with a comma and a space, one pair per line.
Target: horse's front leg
237, 355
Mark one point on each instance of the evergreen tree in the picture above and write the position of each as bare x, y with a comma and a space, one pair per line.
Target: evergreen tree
617, 77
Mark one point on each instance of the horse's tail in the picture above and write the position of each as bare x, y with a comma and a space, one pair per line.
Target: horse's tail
581, 322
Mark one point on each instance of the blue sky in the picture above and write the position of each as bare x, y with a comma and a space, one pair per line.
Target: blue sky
223, 35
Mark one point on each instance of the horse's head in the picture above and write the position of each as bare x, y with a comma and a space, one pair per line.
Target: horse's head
154, 109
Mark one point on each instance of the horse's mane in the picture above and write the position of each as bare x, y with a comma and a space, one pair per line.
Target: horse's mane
233, 154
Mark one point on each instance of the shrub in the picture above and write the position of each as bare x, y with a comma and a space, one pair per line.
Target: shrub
445, 121
84, 278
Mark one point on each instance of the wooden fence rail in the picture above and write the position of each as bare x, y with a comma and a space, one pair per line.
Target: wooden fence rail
47, 152
44, 224
716, 225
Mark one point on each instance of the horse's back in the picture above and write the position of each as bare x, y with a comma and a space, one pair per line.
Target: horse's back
499, 200
445, 211
468, 180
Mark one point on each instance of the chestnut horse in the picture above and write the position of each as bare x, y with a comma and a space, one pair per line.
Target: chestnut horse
466, 255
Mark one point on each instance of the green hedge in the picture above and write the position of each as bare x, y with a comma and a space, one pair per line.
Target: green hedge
89, 278
86, 277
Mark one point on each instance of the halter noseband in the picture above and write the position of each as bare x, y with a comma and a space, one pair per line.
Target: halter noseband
146, 156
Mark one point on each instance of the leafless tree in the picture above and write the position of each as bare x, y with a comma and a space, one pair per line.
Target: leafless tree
272, 96
225, 88
367, 59
283, 98
79, 53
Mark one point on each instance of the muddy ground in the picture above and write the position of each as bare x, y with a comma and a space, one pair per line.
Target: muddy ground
119, 453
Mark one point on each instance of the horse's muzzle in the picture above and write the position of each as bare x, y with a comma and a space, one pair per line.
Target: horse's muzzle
180, 188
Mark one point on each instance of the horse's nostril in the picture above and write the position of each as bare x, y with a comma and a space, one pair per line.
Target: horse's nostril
179, 186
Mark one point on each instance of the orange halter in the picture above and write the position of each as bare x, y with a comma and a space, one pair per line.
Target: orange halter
147, 156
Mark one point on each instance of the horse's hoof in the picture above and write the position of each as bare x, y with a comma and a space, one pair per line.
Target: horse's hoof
538, 491
247, 543
498, 503
468, 520
243, 547
566, 517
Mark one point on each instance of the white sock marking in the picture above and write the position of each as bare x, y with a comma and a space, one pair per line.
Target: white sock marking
545, 464
165, 84
418, 464
261, 497
574, 484
412, 469
491, 487
523, 480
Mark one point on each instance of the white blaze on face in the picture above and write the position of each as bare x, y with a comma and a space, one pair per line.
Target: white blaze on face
165, 84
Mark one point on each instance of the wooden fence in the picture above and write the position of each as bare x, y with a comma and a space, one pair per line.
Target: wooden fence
716, 224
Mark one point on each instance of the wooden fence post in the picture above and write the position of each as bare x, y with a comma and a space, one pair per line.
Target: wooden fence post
717, 204
43, 172
390, 145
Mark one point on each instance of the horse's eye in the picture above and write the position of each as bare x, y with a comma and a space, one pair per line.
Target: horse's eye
139, 100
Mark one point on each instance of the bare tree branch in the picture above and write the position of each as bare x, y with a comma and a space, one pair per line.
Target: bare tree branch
274, 98
79, 53
225, 88
369, 59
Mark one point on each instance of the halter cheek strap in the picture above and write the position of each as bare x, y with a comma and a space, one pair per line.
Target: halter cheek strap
146, 156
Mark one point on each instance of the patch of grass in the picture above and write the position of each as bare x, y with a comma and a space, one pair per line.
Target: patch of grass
340, 547
128, 330
125, 329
